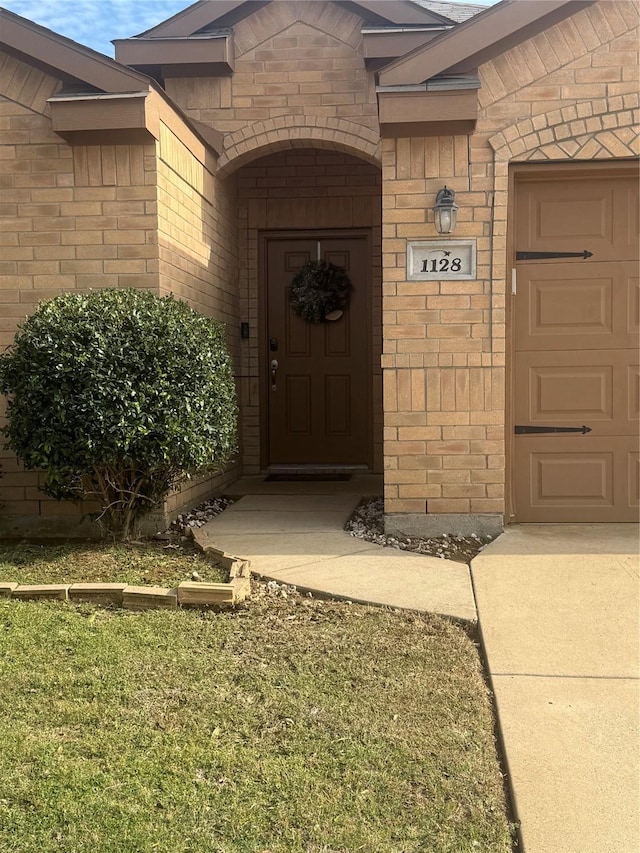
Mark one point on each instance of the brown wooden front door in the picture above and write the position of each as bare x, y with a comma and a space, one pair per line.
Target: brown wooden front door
318, 397
576, 347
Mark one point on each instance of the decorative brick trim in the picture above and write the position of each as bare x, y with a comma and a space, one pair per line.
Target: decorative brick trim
604, 129
299, 132
274, 19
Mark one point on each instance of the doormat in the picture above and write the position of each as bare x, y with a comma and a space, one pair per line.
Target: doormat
306, 477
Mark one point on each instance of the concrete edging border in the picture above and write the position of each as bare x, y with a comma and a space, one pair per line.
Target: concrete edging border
131, 597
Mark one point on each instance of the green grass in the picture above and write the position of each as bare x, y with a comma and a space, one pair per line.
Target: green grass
287, 726
157, 564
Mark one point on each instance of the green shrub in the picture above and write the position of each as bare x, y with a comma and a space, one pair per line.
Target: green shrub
119, 395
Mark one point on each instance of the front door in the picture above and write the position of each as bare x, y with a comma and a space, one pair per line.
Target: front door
575, 376
317, 381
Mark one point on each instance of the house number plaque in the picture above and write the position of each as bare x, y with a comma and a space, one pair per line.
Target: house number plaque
438, 260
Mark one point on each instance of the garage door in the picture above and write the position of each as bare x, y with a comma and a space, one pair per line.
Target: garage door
575, 346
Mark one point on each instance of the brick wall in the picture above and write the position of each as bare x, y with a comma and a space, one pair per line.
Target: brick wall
198, 260
566, 94
298, 65
72, 218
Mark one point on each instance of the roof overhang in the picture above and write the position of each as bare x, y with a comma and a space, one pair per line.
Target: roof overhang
478, 40
433, 89
381, 45
63, 58
445, 107
102, 101
225, 13
84, 119
205, 55
127, 118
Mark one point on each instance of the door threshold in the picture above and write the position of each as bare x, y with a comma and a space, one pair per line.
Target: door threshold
293, 468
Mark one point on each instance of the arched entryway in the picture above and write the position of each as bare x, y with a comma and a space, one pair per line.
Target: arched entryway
296, 204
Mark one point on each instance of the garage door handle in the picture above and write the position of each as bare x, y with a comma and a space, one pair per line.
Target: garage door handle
531, 430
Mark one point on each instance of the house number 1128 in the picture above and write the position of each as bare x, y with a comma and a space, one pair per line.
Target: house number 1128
441, 260
441, 265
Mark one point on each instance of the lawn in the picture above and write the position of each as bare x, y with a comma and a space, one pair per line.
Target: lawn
289, 725
154, 563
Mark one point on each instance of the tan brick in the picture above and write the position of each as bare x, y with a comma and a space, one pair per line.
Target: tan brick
205, 594
34, 592
104, 594
148, 597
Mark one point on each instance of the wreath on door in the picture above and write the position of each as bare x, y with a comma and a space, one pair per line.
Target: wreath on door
319, 289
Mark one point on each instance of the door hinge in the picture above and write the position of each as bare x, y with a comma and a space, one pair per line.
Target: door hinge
531, 430
537, 256
514, 282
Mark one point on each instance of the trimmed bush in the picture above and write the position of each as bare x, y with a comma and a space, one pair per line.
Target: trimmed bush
118, 395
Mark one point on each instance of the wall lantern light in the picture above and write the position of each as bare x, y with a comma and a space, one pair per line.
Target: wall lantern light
445, 211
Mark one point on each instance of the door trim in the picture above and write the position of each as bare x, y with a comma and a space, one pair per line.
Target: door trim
264, 236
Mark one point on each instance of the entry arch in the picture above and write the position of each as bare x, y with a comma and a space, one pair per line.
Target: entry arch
272, 135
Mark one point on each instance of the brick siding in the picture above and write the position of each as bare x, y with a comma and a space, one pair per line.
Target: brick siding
567, 94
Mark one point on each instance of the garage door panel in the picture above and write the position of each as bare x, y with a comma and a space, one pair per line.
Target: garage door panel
593, 480
599, 214
561, 306
600, 390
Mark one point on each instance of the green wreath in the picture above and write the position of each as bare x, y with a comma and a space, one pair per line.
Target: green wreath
317, 289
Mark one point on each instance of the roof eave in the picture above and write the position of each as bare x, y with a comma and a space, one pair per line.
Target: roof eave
65, 58
479, 39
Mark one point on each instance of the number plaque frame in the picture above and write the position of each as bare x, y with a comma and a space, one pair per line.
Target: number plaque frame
441, 260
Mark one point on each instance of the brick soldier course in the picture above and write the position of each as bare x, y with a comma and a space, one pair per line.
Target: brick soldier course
302, 123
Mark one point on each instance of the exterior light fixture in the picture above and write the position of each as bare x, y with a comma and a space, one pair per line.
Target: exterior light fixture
445, 211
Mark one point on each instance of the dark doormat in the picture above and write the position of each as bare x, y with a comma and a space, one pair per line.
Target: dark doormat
306, 477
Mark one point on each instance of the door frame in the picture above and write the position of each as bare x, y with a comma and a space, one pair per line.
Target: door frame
519, 173
264, 236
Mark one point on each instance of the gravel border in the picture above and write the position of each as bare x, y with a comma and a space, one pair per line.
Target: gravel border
367, 523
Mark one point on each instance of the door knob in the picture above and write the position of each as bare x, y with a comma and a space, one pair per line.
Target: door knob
274, 373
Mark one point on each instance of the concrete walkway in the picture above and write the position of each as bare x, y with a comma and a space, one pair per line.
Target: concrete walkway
293, 533
559, 616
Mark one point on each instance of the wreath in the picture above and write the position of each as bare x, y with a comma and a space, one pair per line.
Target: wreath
317, 289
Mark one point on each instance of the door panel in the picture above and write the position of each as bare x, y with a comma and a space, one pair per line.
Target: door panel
319, 410
599, 214
576, 350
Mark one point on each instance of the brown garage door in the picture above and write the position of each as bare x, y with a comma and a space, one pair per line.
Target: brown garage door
575, 343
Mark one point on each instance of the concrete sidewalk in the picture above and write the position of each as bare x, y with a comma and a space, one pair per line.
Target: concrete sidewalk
559, 617
293, 533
